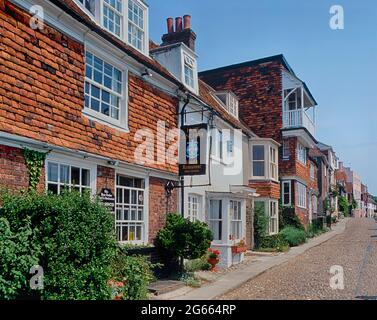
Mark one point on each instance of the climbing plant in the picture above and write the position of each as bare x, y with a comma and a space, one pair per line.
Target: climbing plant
34, 162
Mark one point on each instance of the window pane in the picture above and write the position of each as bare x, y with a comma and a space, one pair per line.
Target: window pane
258, 152
75, 176
64, 174
85, 177
52, 174
258, 169
52, 188
215, 209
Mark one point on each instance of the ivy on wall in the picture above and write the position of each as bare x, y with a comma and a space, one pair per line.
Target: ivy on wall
34, 162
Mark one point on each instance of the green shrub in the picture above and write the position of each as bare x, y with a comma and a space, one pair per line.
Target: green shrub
343, 206
18, 253
260, 223
293, 236
274, 242
135, 272
76, 239
182, 238
197, 264
289, 218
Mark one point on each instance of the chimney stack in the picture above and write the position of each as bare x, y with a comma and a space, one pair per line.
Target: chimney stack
170, 23
187, 22
182, 32
178, 24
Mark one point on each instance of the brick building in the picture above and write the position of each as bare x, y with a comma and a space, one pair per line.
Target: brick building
276, 104
79, 88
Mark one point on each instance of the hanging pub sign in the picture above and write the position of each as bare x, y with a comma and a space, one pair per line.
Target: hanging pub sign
193, 158
107, 197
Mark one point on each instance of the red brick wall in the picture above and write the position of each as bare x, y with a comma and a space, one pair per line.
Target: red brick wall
259, 91
105, 179
42, 93
13, 170
266, 189
159, 205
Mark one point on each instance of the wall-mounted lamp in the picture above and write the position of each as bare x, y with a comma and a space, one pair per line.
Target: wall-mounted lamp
113, 162
146, 73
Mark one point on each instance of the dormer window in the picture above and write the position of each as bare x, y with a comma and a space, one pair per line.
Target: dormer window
230, 102
126, 19
112, 16
89, 5
189, 71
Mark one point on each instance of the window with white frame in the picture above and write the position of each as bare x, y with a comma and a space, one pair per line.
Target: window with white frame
63, 176
89, 6
189, 67
215, 220
312, 171
235, 219
113, 16
273, 217
301, 190
193, 207
233, 105
293, 102
103, 87
301, 153
286, 193
273, 163
286, 150
130, 218
258, 161
136, 25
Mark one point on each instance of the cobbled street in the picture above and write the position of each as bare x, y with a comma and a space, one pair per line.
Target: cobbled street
308, 275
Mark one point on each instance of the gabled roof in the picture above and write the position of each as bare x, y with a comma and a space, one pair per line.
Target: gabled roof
323, 146
276, 58
72, 9
207, 95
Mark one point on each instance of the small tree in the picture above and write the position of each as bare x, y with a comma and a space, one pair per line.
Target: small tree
183, 239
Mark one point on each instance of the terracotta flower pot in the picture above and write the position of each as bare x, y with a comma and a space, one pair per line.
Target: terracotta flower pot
213, 262
238, 249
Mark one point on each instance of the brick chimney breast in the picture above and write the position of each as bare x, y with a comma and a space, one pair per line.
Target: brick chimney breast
183, 32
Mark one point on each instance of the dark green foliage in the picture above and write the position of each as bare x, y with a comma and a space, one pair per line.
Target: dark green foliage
275, 241
260, 223
288, 217
183, 238
354, 204
76, 240
315, 228
293, 236
343, 206
135, 272
18, 253
197, 264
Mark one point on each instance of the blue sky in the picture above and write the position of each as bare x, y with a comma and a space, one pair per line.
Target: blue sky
339, 66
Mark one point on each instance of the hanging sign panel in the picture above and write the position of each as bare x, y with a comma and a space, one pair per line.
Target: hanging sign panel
193, 147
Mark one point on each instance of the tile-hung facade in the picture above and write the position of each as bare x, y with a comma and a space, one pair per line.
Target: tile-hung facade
79, 88
222, 197
276, 104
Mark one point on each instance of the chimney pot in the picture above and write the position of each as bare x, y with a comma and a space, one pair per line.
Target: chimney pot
187, 21
170, 24
178, 24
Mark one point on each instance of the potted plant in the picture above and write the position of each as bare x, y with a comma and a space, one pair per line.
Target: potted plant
117, 288
239, 247
213, 258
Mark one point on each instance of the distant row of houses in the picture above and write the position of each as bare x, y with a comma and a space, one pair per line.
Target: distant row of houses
89, 88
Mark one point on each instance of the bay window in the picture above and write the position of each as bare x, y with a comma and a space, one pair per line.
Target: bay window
215, 219
301, 189
235, 220
264, 161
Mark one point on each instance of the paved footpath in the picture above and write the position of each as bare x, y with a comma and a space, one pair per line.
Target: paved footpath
304, 271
